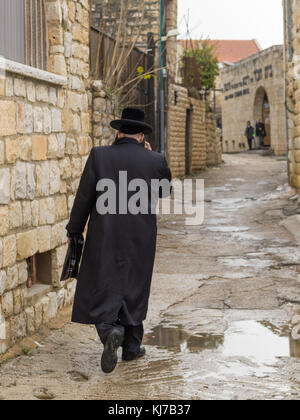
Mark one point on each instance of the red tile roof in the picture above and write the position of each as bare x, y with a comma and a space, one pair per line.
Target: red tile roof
229, 50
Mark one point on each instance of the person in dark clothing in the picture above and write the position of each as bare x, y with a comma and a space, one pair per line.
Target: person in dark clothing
249, 133
115, 275
261, 133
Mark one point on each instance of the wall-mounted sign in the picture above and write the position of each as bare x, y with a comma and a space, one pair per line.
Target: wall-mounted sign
259, 74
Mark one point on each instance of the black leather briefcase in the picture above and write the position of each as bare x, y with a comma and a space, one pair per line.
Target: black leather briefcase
73, 257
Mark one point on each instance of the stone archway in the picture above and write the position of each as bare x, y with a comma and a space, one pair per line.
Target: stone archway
262, 111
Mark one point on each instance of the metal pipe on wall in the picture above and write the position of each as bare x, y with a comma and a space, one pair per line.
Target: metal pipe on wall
287, 48
162, 123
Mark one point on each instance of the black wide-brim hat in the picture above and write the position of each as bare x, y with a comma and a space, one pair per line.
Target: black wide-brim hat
132, 122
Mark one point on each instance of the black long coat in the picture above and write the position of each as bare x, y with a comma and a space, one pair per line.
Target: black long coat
260, 130
116, 270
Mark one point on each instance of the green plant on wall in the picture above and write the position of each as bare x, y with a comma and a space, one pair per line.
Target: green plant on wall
202, 59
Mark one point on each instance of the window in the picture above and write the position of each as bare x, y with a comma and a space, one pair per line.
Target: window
39, 269
23, 32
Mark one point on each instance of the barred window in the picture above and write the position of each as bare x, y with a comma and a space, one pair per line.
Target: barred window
23, 32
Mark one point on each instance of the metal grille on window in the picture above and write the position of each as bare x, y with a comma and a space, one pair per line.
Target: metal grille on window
36, 34
23, 32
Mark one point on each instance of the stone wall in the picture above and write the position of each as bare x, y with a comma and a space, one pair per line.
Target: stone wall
292, 54
204, 147
213, 145
198, 136
106, 16
243, 83
44, 143
103, 113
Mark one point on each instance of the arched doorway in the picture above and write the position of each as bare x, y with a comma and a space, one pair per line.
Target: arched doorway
262, 112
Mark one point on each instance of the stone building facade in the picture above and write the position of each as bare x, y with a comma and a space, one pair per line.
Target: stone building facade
191, 140
45, 138
193, 144
253, 89
292, 79
49, 121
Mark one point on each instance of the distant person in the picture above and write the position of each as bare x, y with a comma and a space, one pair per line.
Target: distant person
249, 133
261, 133
256, 139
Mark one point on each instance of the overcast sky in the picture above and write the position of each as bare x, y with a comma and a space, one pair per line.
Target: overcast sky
233, 19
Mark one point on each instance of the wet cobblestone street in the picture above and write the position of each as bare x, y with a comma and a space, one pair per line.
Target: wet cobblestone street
224, 299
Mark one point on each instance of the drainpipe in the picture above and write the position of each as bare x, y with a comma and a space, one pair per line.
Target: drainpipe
161, 79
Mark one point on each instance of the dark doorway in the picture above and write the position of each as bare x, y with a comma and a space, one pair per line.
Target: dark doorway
262, 112
267, 120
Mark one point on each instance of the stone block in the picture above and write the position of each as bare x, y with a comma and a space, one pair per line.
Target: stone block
56, 120
4, 185
12, 278
54, 177
20, 117
19, 87
9, 253
44, 238
38, 122
53, 305
30, 89
15, 215
2, 282
4, 220
61, 208
27, 244
20, 181
43, 179
8, 123
30, 320
42, 94
7, 304
18, 328
12, 150
25, 148
22, 272
39, 147
47, 211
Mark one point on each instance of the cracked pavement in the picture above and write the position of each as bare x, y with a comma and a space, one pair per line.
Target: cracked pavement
220, 321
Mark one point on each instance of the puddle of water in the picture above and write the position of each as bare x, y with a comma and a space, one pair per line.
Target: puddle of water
231, 203
261, 342
225, 188
238, 180
244, 236
227, 229
242, 262
177, 340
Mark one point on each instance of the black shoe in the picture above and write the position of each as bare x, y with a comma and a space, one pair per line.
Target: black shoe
110, 354
129, 357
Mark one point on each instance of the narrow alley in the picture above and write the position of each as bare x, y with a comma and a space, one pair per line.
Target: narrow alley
223, 298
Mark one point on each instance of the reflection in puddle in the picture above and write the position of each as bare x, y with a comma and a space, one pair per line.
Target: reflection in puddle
178, 340
262, 342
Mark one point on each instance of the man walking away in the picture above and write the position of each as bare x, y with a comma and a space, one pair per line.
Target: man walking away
249, 133
261, 133
115, 276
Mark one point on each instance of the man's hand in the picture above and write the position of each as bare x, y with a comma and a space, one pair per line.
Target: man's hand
148, 145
